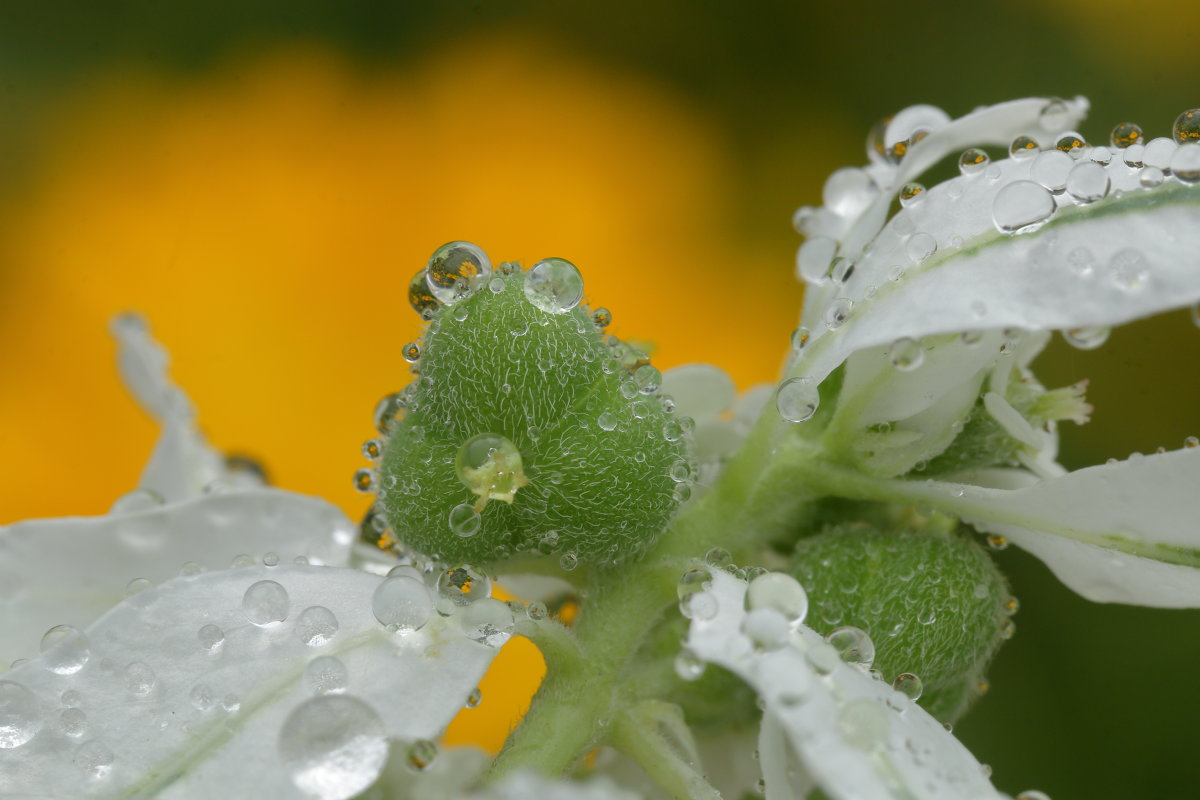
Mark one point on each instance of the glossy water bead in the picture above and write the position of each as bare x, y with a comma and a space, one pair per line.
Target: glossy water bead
1187, 127
333, 746
455, 268
266, 603
402, 604
65, 650
554, 285
490, 465
797, 399
20, 715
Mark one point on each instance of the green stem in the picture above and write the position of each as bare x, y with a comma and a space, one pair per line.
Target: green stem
656, 736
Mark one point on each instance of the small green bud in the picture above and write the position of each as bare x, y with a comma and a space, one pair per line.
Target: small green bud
527, 429
933, 604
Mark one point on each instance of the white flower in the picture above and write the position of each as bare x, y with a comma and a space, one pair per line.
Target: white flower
272, 679
945, 304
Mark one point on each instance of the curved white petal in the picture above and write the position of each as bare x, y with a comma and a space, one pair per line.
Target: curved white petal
71, 570
526, 785
854, 736
1122, 532
181, 719
1092, 264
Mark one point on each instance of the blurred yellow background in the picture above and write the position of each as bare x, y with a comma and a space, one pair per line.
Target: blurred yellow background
262, 185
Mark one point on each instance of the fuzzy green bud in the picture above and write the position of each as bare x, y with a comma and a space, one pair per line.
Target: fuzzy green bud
933, 604
528, 429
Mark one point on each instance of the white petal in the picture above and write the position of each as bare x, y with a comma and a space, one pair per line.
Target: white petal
699, 390
181, 720
70, 571
527, 785
1122, 533
912, 756
1092, 265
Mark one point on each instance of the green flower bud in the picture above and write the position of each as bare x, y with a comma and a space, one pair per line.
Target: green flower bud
528, 429
933, 604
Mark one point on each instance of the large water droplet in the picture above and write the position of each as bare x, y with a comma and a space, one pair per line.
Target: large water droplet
326, 675
333, 746
419, 296
908, 685
973, 161
688, 665
554, 285
853, 645
490, 465
455, 269
1185, 164
20, 716
1187, 126
464, 584
798, 399
487, 621
266, 603
316, 625
94, 758
211, 637
814, 257
65, 650
402, 604
1125, 134
1023, 148
73, 722
1088, 182
1051, 169
1022, 204
1159, 153
848, 191
780, 592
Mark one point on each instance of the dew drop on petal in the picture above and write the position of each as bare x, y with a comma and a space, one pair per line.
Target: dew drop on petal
852, 645
266, 603
813, 259
139, 679
906, 354
202, 697
908, 685
402, 604
464, 520
699, 605
797, 399
488, 622
1051, 169
1032, 794
848, 191
1159, 153
1054, 116
698, 579
463, 584
1151, 177
1187, 127
1133, 155
20, 715
333, 746
1023, 148
911, 194
137, 585
316, 625
1086, 338
537, 610
838, 312
419, 296
94, 759
718, 557
1100, 155
326, 675
780, 592
136, 501
1088, 182
421, 754
554, 285
920, 246
474, 698
1125, 134
1021, 205
1071, 143
1185, 164
973, 161
211, 637
688, 665
65, 650
73, 722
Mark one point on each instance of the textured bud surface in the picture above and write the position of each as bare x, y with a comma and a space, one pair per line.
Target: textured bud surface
528, 429
932, 603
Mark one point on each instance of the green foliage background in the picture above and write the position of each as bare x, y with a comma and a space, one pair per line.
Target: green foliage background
1087, 700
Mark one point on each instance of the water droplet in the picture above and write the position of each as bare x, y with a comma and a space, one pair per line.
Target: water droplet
387, 410
211, 637
823, 658
1100, 155
1071, 143
411, 352
971, 338
1125, 134
72, 698
1021, 205
568, 561
920, 247
464, 520
852, 645
688, 665
72, 722
698, 579
490, 465
326, 675
20, 716
270, 559
537, 610
554, 285
911, 193
780, 592
1054, 116
487, 621
316, 625
1133, 155
997, 542
402, 604
1023, 148
139, 679
464, 584
94, 758
1159, 152
1129, 269
1033, 794
455, 269
364, 480
973, 161
699, 605
474, 698
797, 399
419, 296
680, 471
607, 421
231, 703
1185, 164
718, 557
138, 585
908, 685
266, 603
241, 560
841, 270
1086, 338
1088, 182
1011, 606
602, 318
202, 697
682, 492
906, 354
136, 501
1150, 177
864, 723
1187, 127
814, 257
65, 650
333, 747
1008, 629
1051, 169
848, 191
421, 754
